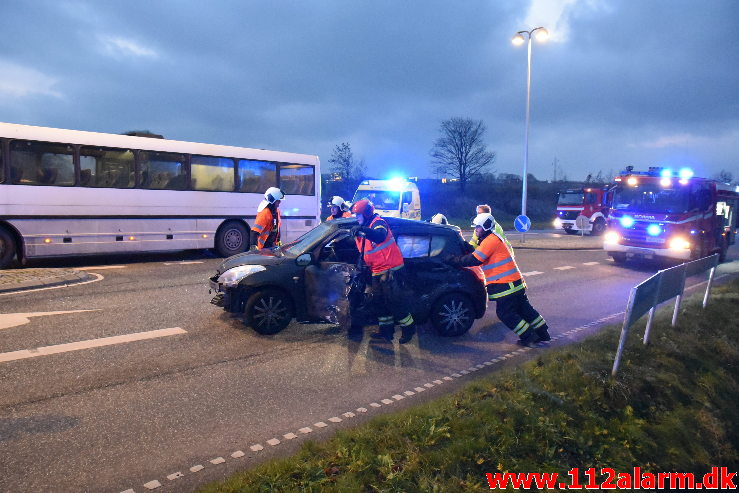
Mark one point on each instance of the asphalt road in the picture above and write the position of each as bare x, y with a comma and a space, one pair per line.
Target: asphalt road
133, 415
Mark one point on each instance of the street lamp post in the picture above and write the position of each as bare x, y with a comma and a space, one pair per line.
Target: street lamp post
541, 34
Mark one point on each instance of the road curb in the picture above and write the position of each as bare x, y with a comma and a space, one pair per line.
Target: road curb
28, 280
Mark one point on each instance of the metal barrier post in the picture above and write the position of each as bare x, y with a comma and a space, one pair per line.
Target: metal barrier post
678, 300
652, 310
708, 288
624, 332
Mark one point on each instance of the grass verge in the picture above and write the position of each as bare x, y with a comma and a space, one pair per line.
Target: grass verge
673, 407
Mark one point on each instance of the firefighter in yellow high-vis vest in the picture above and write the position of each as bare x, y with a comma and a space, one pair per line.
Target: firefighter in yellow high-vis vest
505, 284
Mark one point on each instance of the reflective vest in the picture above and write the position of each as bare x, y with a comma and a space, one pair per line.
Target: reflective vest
498, 263
345, 214
381, 257
265, 224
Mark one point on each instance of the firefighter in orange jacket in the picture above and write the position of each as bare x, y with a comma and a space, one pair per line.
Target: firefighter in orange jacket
265, 233
505, 285
383, 257
339, 208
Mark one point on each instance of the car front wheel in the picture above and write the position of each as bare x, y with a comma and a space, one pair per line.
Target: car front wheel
453, 315
268, 311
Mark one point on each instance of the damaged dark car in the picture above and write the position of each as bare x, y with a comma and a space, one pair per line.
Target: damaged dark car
310, 280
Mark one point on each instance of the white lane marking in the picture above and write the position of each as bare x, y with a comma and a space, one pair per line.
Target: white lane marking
238, 454
532, 273
197, 468
102, 267
184, 262
256, 448
590, 263
273, 442
98, 277
152, 485
88, 344
217, 460
175, 475
564, 267
289, 436
8, 320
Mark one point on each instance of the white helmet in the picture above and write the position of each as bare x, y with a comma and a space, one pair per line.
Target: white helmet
439, 219
339, 202
485, 220
272, 194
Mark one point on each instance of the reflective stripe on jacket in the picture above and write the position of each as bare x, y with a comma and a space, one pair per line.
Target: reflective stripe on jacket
498, 263
265, 224
383, 256
345, 214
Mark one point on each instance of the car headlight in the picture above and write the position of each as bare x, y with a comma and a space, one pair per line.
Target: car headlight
232, 277
612, 237
679, 243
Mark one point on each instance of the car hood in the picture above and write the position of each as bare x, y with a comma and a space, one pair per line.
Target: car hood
256, 257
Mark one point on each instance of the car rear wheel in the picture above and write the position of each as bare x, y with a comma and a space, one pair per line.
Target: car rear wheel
231, 238
268, 311
452, 315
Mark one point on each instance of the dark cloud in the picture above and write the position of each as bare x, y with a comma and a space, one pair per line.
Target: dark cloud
633, 83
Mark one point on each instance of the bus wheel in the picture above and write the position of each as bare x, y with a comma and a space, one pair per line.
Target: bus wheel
232, 238
599, 226
7, 248
268, 311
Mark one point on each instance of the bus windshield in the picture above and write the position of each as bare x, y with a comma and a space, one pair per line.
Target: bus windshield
651, 198
571, 198
382, 199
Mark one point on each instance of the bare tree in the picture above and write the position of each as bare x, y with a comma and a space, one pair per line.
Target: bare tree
343, 162
460, 151
724, 176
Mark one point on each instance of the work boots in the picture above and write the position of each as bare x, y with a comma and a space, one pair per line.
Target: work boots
407, 333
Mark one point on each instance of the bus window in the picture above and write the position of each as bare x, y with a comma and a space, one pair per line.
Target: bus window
41, 163
212, 173
106, 167
162, 170
256, 176
2, 163
297, 179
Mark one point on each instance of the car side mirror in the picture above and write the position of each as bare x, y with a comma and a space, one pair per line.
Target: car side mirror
304, 260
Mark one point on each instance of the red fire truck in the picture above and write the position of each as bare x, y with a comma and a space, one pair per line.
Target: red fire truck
662, 214
593, 203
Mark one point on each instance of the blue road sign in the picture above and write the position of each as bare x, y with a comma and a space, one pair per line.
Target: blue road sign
522, 224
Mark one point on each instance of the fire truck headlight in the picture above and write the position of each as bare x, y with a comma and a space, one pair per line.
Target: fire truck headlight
654, 230
557, 223
627, 221
612, 237
679, 243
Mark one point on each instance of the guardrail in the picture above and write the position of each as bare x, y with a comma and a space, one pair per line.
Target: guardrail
663, 286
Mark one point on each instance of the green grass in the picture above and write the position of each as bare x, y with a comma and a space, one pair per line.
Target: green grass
505, 220
673, 407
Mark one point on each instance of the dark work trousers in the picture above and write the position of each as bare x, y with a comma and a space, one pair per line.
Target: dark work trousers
389, 303
515, 310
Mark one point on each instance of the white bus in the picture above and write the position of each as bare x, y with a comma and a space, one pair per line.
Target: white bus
67, 192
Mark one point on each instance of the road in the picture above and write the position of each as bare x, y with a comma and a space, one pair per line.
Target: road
172, 409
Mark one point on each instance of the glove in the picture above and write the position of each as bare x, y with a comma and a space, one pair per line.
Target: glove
450, 259
357, 230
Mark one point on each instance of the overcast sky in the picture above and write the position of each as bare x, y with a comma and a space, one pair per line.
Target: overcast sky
620, 81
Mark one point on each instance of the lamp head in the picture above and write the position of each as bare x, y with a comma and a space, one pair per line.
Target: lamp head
518, 39
541, 34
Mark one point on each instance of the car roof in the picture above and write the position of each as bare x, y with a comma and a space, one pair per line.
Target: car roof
407, 226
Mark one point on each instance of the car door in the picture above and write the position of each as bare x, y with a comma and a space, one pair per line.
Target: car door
328, 278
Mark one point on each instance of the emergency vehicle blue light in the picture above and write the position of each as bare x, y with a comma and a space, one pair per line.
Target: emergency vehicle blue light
654, 230
666, 173
627, 221
686, 173
397, 183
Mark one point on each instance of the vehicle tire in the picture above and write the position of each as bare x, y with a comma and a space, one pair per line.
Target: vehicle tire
7, 248
268, 311
231, 238
723, 250
599, 227
571, 231
619, 258
452, 315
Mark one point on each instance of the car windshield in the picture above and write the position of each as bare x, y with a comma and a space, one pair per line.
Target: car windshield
570, 198
309, 239
651, 198
382, 199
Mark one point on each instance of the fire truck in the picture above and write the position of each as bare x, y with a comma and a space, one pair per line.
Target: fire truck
662, 214
593, 203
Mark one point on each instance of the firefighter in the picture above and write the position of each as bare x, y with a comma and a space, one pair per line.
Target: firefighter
339, 208
383, 257
482, 209
265, 233
505, 285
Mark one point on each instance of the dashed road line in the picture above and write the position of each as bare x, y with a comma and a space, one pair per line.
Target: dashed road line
564, 267
532, 273
591, 263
